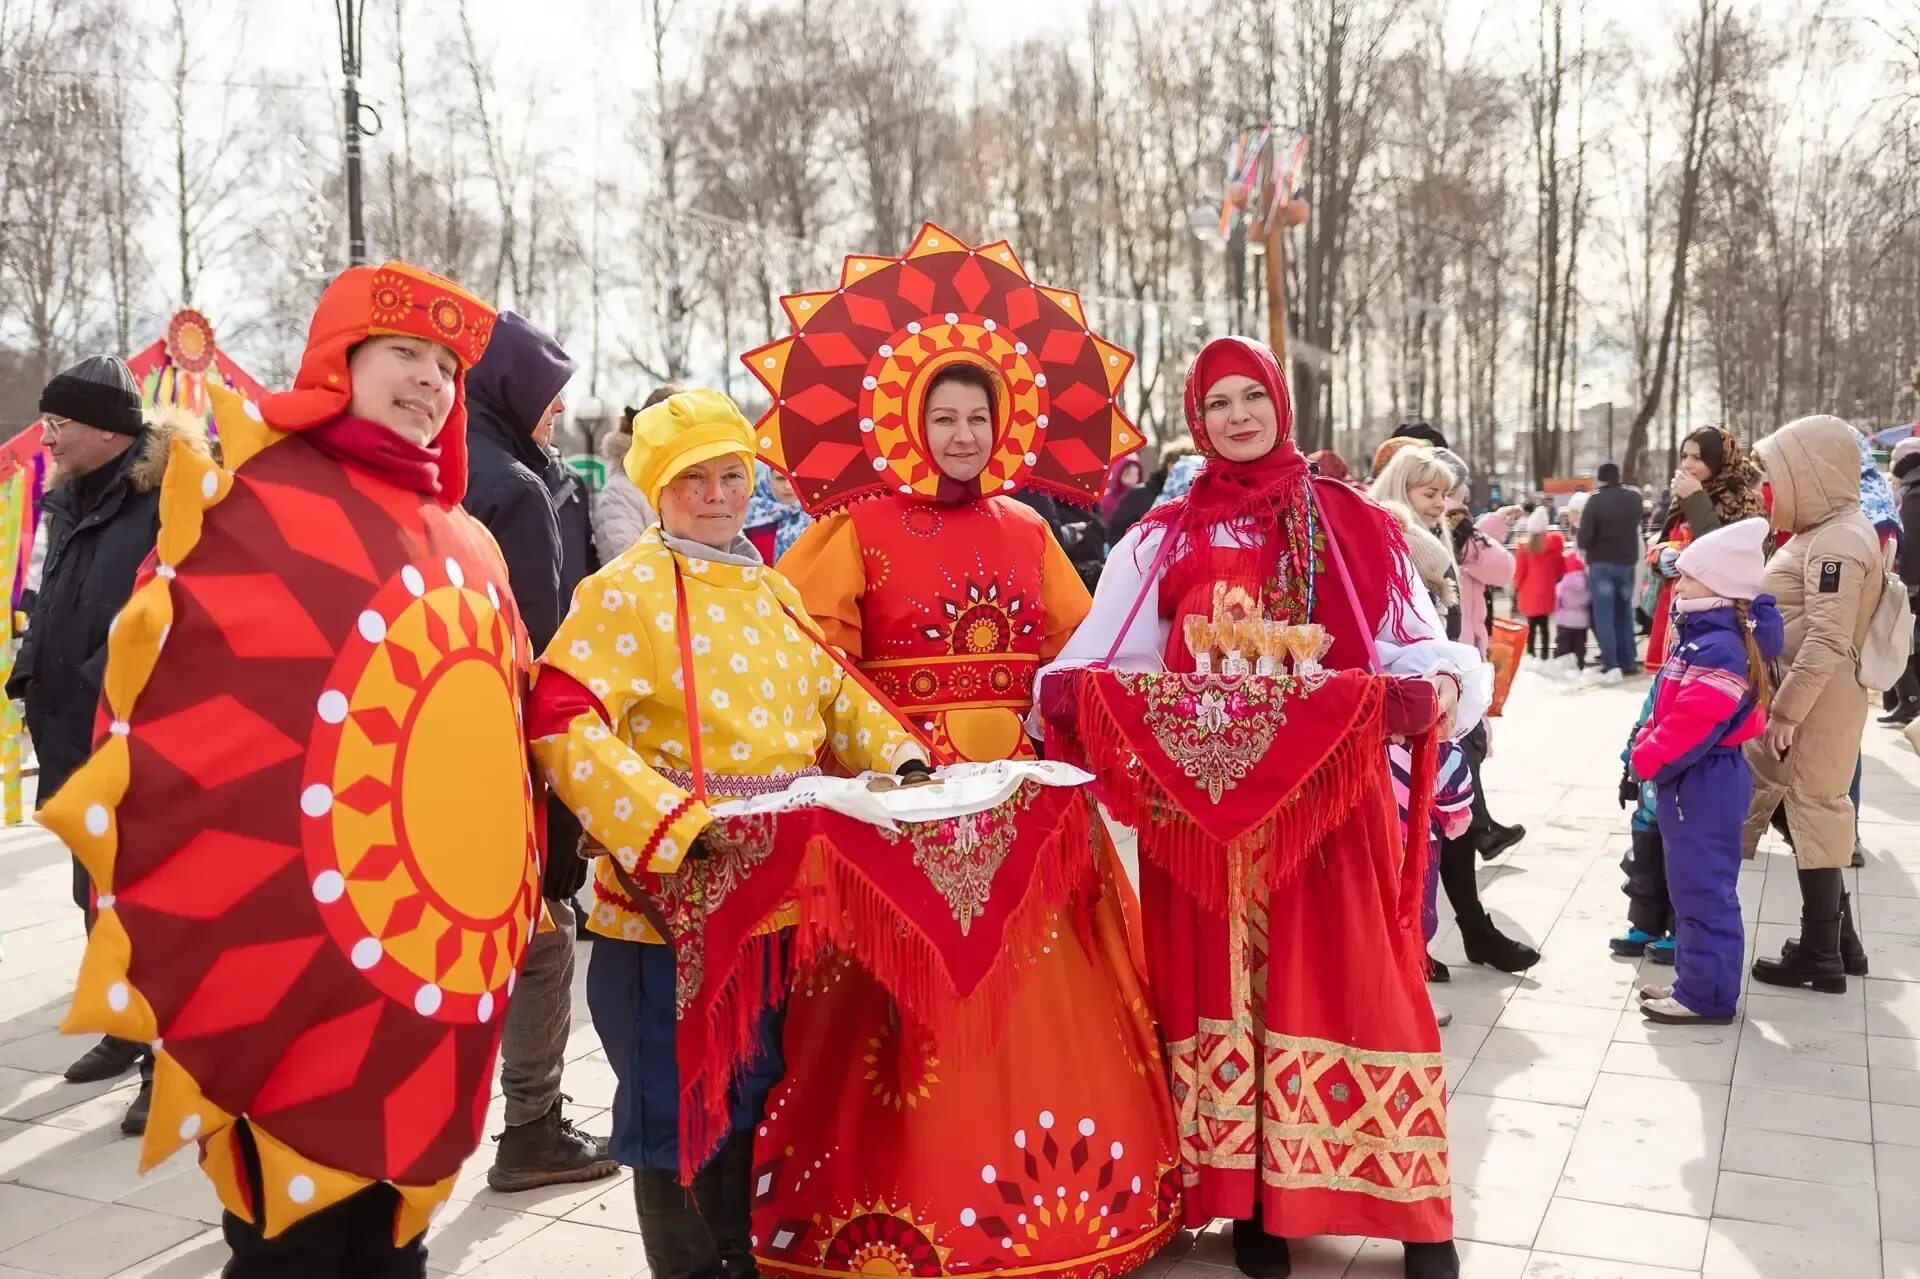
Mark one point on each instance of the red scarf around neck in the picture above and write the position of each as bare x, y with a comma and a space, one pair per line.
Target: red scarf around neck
367, 446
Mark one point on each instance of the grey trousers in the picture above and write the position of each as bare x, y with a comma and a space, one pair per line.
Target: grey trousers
539, 1017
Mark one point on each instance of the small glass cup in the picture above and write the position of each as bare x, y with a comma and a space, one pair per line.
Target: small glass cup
1199, 634
1235, 636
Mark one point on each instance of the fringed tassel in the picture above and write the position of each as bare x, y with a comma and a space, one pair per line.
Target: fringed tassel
1281, 844
1420, 845
848, 912
756, 982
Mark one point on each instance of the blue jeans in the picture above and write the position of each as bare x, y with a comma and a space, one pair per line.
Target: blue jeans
1613, 615
630, 992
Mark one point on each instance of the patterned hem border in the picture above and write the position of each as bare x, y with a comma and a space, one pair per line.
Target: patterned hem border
1095, 1265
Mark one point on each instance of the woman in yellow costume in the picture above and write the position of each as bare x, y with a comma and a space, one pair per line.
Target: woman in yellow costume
689, 613
1051, 1155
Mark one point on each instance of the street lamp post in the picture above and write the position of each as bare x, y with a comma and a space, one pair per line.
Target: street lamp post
351, 17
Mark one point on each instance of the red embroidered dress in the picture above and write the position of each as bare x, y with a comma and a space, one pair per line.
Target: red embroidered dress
1286, 963
1010, 1162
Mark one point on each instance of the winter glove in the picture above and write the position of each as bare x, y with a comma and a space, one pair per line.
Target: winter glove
1669, 562
1629, 789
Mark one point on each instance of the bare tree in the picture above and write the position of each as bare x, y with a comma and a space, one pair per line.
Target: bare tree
1699, 88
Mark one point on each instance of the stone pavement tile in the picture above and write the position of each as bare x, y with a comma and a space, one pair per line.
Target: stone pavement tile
1900, 1087
1622, 1234
565, 1248
27, 1095
184, 1194
1514, 1159
467, 1235
1888, 916
1385, 1259
1762, 1250
1552, 1084
1569, 1052
1632, 1140
1538, 1016
46, 1051
102, 1242
26, 1213
27, 1148
1893, 958
1843, 1047
1508, 1216
1901, 1260
1461, 1039
1892, 1053
1896, 1125
1598, 1175
1823, 1159
1803, 1205
105, 1173
1769, 1007
1548, 1265
1691, 1063
1882, 878
1800, 1074
200, 1257
1628, 1098
612, 1209
1478, 1009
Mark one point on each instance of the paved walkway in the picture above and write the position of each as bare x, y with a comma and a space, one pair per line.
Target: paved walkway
1586, 1145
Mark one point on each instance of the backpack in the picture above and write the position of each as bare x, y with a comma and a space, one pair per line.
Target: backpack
1889, 640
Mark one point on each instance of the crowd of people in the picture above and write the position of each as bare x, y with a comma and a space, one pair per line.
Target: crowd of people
691, 634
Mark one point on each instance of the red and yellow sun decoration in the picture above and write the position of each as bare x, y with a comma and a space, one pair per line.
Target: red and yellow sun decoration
847, 383
311, 827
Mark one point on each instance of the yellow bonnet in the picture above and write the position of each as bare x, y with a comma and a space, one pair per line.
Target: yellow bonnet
681, 431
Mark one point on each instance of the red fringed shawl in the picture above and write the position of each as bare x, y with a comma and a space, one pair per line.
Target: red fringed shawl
945, 915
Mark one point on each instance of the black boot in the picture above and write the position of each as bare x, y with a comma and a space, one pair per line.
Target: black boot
1853, 954
550, 1151
1815, 962
1497, 839
1487, 945
1437, 972
1432, 1261
672, 1233
723, 1191
1258, 1254
108, 1059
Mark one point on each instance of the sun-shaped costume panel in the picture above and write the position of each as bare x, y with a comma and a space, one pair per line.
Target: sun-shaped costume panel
308, 816
847, 383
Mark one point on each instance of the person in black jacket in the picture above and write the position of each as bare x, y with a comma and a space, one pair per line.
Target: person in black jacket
1610, 539
102, 517
579, 558
513, 400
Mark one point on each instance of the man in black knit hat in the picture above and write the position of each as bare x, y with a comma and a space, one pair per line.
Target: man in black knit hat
102, 516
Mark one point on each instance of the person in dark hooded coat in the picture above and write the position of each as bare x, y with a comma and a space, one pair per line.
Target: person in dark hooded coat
513, 400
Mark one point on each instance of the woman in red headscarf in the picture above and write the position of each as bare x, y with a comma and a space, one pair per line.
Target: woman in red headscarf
1306, 1064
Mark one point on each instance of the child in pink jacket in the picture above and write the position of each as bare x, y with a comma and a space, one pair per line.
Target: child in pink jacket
1572, 611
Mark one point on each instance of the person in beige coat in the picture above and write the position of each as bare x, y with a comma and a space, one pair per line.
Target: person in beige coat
1826, 580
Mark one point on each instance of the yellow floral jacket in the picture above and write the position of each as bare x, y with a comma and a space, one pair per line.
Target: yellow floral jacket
769, 699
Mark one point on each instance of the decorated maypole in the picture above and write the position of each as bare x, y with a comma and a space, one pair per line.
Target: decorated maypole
1262, 187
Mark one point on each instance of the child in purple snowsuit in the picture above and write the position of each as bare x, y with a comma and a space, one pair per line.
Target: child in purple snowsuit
1712, 697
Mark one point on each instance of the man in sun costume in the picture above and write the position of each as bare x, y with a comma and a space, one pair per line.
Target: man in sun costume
308, 815
908, 404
